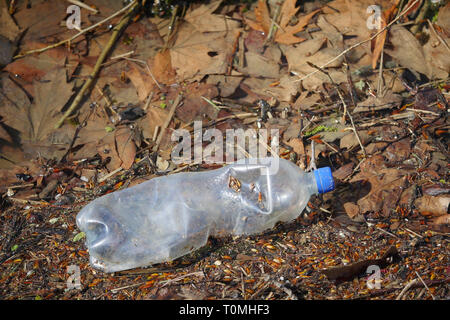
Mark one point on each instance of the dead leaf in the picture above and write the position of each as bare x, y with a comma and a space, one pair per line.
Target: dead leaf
262, 17
381, 38
125, 147
195, 54
286, 34
344, 171
203, 19
445, 219
350, 140
8, 27
297, 146
443, 19
286, 90
351, 209
437, 54
161, 67
155, 117
143, 83
259, 66
194, 106
436, 206
407, 50
388, 101
385, 186
227, 85
398, 151
35, 123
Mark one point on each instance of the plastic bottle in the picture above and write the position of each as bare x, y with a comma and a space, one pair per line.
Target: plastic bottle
167, 217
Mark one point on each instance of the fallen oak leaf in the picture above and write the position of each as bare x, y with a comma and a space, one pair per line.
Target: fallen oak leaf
286, 35
125, 147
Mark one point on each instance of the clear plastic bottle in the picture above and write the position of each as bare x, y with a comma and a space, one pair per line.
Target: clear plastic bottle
167, 217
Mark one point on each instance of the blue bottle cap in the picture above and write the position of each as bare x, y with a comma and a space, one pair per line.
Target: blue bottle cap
324, 179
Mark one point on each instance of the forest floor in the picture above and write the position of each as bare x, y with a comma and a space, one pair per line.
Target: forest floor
88, 107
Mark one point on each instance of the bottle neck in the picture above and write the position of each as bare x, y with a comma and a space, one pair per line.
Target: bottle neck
312, 184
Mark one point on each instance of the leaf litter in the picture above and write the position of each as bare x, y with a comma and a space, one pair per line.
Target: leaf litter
391, 198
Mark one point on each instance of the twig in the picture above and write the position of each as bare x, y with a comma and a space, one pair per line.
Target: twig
437, 35
167, 122
362, 42
406, 288
198, 273
132, 4
101, 58
380, 74
148, 69
109, 175
387, 232
425, 285
346, 112
83, 5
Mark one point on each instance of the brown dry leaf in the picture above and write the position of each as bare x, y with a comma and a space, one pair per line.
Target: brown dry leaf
43, 21
35, 123
297, 145
161, 67
194, 106
203, 19
388, 101
445, 219
381, 38
351, 209
435, 206
155, 117
8, 27
350, 140
90, 136
443, 19
437, 54
125, 147
286, 90
319, 58
398, 151
305, 49
329, 32
263, 21
259, 66
386, 185
286, 35
344, 171
195, 54
143, 83
407, 50
227, 85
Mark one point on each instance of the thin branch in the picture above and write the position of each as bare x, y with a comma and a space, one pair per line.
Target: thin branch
132, 4
116, 32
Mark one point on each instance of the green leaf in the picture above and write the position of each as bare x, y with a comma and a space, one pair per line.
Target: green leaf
109, 129
79, 236
14, 247
38, 297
